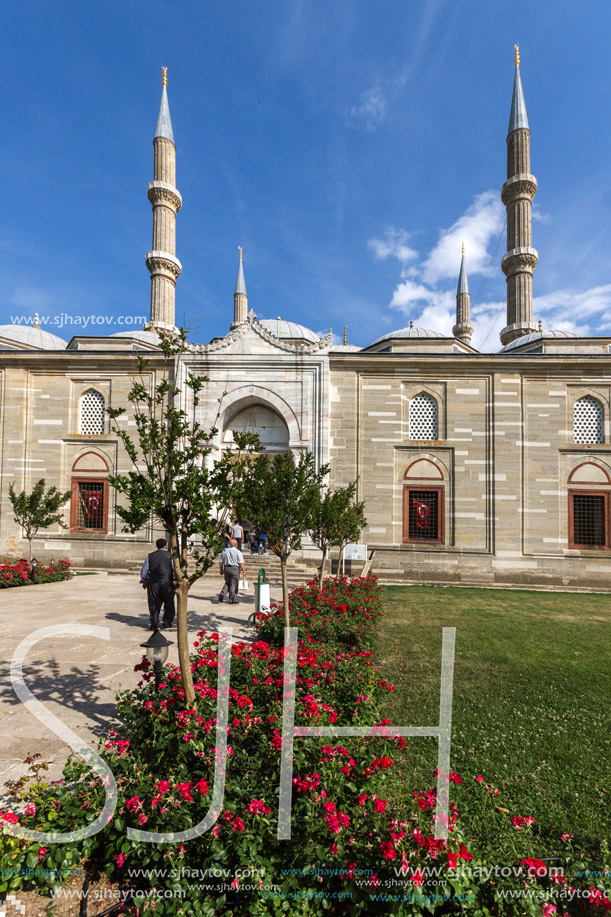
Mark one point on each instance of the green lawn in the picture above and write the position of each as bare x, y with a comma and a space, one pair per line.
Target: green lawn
532, 697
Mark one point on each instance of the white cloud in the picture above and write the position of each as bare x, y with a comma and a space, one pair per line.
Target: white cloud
424, 295
481, 224
394, 244
573, 307
371, 110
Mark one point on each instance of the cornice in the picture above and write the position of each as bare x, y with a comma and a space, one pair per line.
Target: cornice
321, 346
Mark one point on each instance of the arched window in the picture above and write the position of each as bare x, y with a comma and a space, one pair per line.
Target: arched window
589, 507
423, 503
89, 505
91, 419
423, 417
588, 421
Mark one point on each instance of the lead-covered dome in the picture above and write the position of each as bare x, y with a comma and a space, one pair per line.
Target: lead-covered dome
150, 337
409, 333
536, 336
288, 331
26, 337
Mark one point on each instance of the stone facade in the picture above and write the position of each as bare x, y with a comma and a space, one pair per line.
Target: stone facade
46, 404
504, 464
483, 469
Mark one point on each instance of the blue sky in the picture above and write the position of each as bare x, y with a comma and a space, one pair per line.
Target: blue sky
349, 146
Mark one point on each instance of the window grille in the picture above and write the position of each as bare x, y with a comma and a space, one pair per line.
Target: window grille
423, 515
589, 513
588, 421
92, 413
423, 417
90, 511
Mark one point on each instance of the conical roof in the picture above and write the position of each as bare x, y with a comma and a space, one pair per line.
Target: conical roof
518, 119
240, 283
463, 284
164, 122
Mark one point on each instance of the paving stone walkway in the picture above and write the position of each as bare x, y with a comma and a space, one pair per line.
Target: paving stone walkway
76, 677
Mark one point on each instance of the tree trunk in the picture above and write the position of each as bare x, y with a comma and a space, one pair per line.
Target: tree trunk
322, 566
182, 637
30, 539
285, 592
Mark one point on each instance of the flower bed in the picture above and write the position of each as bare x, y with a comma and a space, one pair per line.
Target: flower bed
351, 848
17, 573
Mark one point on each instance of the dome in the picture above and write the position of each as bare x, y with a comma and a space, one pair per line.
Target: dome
536, 336
345, 348
409, 333
150, 337
288, 330
32, 336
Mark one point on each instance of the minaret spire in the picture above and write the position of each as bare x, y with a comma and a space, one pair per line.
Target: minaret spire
240, 296
463, 329
166, 200
518, 192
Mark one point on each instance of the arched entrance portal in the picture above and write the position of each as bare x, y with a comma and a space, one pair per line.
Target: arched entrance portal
271, 429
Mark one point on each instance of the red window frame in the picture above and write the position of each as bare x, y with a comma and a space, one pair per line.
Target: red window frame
424, 486
74, 505
590, 547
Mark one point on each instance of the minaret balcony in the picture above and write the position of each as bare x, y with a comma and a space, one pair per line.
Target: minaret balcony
519, 186
163, 263
161, 192
520, 261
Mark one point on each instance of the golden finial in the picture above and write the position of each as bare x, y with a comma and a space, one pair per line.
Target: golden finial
164, 76
540, 325
36, 320
240, 251
345, 335
517, 55
463, 248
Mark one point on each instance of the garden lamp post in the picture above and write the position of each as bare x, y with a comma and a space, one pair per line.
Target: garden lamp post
157, 652
32, 570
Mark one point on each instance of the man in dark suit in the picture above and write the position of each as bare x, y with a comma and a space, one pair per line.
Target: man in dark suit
157, 577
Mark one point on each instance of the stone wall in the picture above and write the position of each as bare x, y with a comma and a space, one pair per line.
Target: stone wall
501, 463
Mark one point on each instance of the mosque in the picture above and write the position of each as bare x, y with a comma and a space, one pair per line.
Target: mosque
483, 469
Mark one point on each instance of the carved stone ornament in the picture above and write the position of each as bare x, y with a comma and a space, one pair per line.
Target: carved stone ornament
163, 263
163, 192
324, 344
519, 261
520, 186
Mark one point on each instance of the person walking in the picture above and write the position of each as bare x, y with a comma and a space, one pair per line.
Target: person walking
230, 566
157, 577
238, 534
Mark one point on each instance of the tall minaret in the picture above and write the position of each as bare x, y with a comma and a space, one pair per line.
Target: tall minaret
240, 297
463, 329
166, 200
518, 192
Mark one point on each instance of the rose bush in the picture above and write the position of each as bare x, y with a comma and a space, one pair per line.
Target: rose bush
348, 837
17, 573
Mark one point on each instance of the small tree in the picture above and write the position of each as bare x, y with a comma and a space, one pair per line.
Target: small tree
280, 496
334, 522
38, 509
171, 482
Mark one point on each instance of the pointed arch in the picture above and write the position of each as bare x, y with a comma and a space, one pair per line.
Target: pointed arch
240, 398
